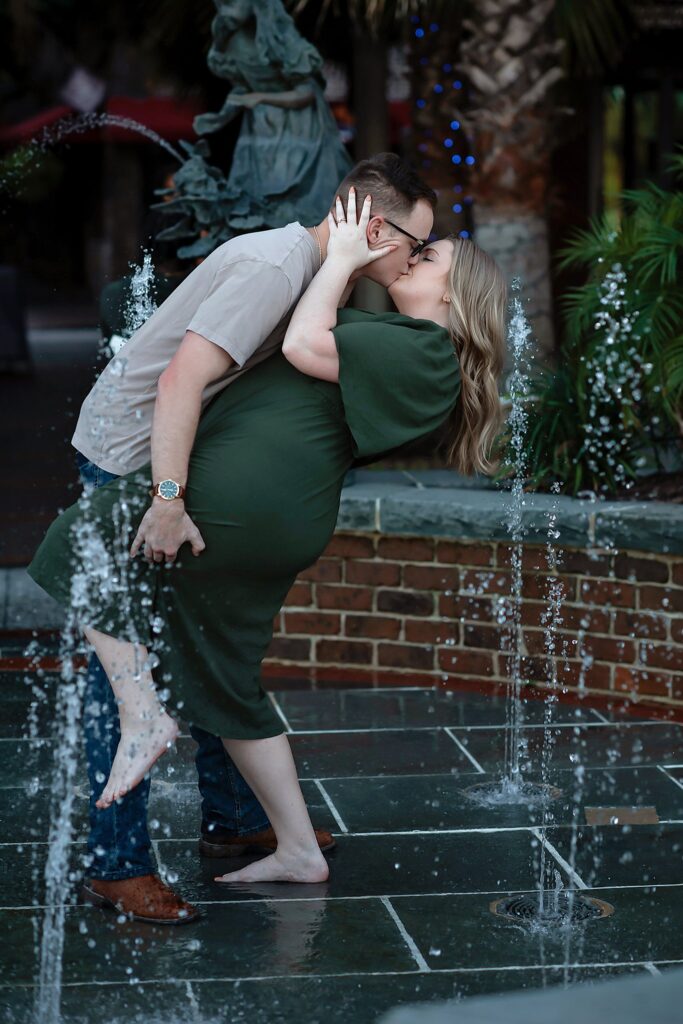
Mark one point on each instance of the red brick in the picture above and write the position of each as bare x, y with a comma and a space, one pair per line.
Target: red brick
427, 577
375, 574
357, 599
346, 546
453, 553
581, 617
406, 549
607, 593
312, 622
597, 676
404, 602
581, 563
677, 631
677, 573
301, 595
287, 649
466, 663
644, 624
461, 606
660, 599
494, 638
344, 651
278, 623
372, 626
626, 567
639, 681
601, 648
668, 656
532, 558
403, 656
418, 631
538, 585
480, 582
325, 570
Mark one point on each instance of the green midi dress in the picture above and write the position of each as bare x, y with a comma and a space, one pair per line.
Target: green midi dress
264, 485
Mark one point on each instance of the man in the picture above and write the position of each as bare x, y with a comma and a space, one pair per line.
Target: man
228, 315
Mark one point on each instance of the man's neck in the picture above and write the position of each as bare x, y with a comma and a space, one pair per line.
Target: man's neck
323, 231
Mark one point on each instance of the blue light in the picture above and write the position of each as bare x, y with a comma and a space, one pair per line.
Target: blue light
457, 189
433, 27
448, 143
438, 88
422, 147
457, 84
415, 19
468, 200
447, 68
457, 159
421, 103
455, 125
424, 61
463, 234
456, 208
419, 32
470, 160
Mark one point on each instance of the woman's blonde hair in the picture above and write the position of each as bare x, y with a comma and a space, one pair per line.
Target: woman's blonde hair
476, 323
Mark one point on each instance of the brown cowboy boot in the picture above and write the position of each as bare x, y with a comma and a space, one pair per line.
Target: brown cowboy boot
145, 898
221, 843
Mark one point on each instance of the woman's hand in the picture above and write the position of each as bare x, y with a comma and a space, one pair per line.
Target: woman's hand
348, 244
246, 99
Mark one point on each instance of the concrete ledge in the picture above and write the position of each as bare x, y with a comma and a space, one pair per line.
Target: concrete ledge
627, 1000
411, 504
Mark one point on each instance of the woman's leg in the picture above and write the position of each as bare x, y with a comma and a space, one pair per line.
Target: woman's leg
268, 767
146, 729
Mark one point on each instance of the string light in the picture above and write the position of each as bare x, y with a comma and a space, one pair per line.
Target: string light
457, 160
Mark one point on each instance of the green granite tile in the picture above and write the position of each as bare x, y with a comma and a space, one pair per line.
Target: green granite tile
623, 854
593, 746
441, 801
275, 938
405, 752
460, 931
391, 708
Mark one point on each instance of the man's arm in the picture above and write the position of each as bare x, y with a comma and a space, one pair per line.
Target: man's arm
166, 525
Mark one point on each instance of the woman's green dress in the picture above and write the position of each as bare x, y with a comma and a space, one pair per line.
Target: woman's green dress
264, 485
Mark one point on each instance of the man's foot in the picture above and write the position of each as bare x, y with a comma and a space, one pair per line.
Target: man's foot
137, 751
145, 898
220, 843
302, 867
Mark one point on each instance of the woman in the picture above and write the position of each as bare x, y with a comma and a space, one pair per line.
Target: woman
264, 487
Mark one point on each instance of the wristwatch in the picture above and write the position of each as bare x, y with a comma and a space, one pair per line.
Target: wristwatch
168, 490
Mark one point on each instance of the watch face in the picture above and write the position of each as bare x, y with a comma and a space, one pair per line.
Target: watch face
168, 489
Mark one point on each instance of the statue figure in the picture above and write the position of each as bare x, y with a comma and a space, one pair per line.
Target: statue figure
288, 158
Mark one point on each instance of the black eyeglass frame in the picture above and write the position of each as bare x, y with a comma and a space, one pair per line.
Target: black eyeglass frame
417, 249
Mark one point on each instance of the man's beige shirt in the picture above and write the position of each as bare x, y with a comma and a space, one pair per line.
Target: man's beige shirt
239, 298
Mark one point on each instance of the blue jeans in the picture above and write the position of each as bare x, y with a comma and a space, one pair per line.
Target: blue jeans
119, 844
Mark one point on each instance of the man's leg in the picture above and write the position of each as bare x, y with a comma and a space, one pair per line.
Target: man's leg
228, 803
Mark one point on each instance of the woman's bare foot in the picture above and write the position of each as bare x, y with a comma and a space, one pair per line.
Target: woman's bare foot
139, 747
282, 868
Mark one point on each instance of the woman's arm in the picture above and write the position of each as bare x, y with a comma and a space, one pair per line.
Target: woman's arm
309, 342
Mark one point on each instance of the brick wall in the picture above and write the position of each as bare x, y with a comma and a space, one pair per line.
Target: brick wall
422, 610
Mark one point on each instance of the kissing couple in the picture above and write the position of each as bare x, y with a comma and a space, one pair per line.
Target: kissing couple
213, 449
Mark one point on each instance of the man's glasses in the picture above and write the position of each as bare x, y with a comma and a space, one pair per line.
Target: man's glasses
419, 244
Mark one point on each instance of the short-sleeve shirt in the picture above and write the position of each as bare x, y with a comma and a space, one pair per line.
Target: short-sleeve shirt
399, 379
240, 298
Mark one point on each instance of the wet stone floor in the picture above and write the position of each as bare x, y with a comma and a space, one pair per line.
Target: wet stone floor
405, 916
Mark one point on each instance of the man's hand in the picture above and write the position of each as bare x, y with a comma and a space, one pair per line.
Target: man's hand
165, 527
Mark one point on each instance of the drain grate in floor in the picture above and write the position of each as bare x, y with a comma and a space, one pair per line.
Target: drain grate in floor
561, 909
621, 816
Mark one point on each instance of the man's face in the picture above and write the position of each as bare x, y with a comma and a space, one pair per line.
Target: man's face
389, 268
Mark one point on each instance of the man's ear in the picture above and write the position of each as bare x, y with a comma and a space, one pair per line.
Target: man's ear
374, 229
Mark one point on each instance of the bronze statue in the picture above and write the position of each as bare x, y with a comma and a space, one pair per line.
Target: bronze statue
288, 158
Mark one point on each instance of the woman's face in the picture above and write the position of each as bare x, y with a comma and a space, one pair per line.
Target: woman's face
423, 288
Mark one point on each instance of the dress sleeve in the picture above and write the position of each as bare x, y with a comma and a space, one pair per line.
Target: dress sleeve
398, 380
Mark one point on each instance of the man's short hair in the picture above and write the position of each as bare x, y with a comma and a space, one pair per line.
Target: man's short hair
393, 183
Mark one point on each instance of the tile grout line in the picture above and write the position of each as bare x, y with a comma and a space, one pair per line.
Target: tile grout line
651, 969
600, 716
328, 800
463, 748
670, 777
406, 936
283, 718
391, 896
346, 974
573, 875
